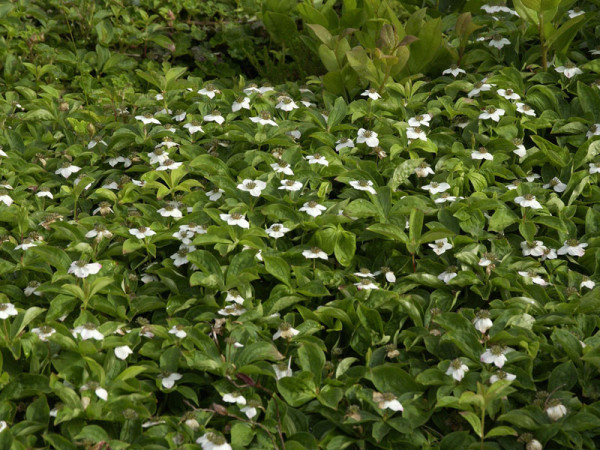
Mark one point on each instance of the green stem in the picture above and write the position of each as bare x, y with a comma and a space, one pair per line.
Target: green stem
482, 427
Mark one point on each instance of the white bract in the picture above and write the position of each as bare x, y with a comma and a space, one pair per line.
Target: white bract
313, 209
436, 188
235, 219
253, 187
572, 247
569, 70
7, 310
81, 269
314, 252
440, 246
457, 369
363, 185
367, 137
123, 351
528, 201
277, 230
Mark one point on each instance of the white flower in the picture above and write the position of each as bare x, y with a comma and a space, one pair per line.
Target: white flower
295, 134
286, 104
215, 194
282, 167
179, 116
67, 169
569, 71
457, 369
478, 87
87, 331
389, 275
250, 411
448, 274
365, 284
415, 133
520, 151
158, 156
556, 410
180, 257
277, 230
142, 232
239, 103
555, 184
317, 158
549, 253
99, 231
5, 198
508, 94
169, 164
290, 185
420, 120
534, 277
314, 252
482, 153
453, 70
113, 186
147, 118
44, 192
492, 113
264, 119
178, 331
3, 425
210, 91
170, 211
586, 282
363, 185
44, 332
423, 170
501, 375
575, 12
496, 355
81, 270
112, 162
371, 93
436, 188
572, 247
31, 289
285, 331
250, 89
213, 441
6, 310
593, 131
499, 42
535, 248
235, 397
254, 187
528, 201
482, 321
387, 400
282, 370
445, 197
193, 127
440, 246
525, 109
215, 116
266, 88
532, 177
232, 310
313, 208
234, 297
594, 168
344, 142
123, 351
168, 381
235, 219
101, 393
368, 137
26, 244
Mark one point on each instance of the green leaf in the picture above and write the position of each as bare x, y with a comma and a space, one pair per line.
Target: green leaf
24, 319
208, 264
501, 431
345, 247
337, 113
278, 267
297, 390
311, 359
473, 420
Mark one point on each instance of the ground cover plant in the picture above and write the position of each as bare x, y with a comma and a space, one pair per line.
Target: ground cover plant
394, 247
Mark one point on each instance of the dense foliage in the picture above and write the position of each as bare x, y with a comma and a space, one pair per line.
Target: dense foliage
393, 242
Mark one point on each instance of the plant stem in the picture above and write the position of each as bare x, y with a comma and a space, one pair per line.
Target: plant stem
482, 427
